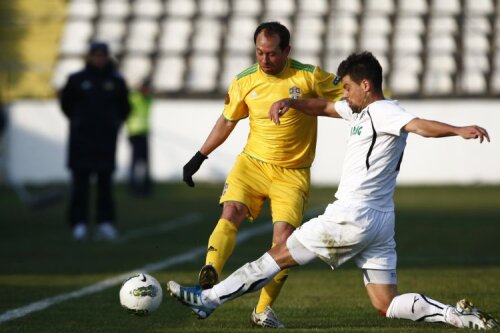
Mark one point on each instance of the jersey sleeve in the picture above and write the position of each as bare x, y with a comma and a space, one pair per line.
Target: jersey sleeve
391, 119
235, 107
343, 109
327, 85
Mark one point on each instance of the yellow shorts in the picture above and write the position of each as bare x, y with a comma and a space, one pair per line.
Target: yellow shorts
252, 181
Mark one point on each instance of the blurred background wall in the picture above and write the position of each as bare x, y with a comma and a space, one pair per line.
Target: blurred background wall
441, 58
36, 143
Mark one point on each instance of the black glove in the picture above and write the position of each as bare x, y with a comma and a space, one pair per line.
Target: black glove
191, 167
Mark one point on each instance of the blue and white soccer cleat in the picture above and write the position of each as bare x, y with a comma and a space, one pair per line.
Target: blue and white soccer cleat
191, 297
465, 315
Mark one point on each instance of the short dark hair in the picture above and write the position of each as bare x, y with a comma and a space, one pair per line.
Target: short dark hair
97, 46
361, 66
270, 28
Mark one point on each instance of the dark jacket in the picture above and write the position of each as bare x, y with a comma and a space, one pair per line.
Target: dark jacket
96, 104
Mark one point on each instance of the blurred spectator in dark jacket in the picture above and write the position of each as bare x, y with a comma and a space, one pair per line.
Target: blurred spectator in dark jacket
3, 119
138, 132
95, 101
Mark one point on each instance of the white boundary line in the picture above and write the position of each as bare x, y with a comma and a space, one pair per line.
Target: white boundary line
116, 280
97, 287
156, 229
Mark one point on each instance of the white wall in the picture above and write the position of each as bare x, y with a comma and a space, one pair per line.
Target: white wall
36, 143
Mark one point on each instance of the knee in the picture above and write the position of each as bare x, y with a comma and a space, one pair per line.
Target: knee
281, 232
234, 212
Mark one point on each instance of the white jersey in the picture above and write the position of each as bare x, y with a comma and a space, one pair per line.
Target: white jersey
374, 154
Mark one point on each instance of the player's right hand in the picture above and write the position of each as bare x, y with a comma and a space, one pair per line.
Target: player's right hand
191, 167
474, 132
278, 109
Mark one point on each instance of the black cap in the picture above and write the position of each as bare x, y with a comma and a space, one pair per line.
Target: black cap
99, 46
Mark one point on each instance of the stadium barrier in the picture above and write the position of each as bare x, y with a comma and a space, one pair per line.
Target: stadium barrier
36, 143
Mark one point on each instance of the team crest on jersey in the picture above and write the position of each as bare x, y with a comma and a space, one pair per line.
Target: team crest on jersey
336, 80
356, 130
295, 93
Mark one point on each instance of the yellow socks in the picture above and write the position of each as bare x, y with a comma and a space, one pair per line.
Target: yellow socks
221, 244
271, 290
220, 247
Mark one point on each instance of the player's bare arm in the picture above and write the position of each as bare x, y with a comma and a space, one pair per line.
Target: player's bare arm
310, 106
220, 132
217, 136
436, 129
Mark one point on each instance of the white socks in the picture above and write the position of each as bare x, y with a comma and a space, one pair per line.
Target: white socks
417, 307
248, 278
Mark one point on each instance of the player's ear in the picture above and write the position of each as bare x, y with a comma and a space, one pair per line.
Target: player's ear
286, 50
366, 85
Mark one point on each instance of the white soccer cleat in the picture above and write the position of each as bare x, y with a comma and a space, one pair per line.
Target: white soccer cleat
191, 297
465, 315
266, 319
106, 231
80, 232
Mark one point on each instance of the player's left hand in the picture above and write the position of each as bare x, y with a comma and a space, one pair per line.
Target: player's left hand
278, 109
191, 167
474, 132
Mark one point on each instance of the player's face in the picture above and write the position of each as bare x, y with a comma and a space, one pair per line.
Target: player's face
270, 57
354, 93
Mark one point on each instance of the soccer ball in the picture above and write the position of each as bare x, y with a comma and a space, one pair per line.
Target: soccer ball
141, 294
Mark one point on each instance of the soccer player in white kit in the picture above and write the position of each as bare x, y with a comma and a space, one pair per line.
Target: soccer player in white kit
360, 223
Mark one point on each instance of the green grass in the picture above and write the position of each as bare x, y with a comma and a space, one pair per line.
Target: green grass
447, 245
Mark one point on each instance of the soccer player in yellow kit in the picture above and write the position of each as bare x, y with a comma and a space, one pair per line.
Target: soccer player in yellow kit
275, 163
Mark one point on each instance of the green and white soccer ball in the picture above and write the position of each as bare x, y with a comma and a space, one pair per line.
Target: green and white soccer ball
141, 294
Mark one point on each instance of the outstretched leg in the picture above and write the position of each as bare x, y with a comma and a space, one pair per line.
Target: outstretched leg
418, 307
248, 278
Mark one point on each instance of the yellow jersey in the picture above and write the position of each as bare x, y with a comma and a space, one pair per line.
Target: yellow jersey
251, 94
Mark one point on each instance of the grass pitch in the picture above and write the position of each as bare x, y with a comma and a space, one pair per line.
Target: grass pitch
447, 240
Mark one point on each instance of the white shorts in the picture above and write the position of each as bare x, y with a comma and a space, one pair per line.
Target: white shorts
343, 232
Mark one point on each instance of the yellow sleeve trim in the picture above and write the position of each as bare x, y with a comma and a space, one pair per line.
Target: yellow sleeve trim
233, 120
